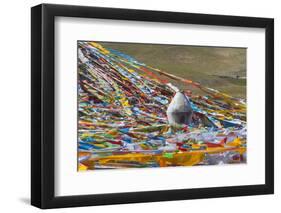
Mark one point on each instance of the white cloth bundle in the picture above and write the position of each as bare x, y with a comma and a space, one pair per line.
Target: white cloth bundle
179, 110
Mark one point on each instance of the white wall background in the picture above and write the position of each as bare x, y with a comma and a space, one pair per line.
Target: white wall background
15, 105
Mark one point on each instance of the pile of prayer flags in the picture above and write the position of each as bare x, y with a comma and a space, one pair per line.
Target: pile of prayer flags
122, 120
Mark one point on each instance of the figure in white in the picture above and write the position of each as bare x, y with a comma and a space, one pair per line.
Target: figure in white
179, 110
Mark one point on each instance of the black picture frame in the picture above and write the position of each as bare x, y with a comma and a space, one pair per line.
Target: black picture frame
43, 102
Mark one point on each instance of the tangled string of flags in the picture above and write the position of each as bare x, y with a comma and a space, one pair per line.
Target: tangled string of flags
122, 116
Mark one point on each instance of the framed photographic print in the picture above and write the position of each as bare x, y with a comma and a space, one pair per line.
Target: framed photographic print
139, 106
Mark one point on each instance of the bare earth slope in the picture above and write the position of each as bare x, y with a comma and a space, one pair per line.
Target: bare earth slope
220, 68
